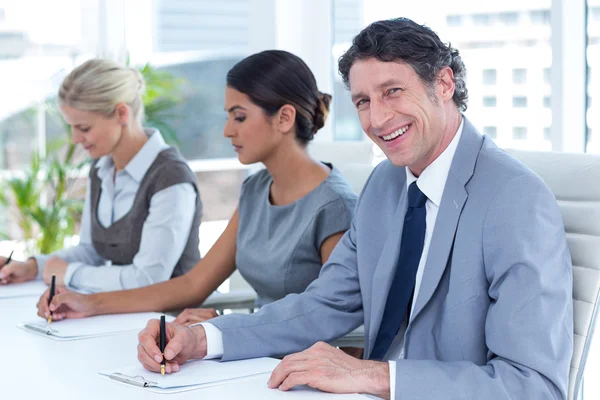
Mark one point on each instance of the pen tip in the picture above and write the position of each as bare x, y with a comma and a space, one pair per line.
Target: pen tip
162, 369
49, 320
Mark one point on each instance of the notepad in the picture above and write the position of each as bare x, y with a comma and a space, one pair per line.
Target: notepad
101, 325
192, 375
24, 289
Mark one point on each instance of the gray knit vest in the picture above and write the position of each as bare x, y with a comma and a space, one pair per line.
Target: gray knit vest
121, 241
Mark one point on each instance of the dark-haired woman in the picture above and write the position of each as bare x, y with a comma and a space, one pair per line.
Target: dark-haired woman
290, 215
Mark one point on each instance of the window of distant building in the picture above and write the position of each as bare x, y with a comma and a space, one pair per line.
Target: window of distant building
509, 18
519, 101
547, 75
547, 102
547, 134
481, 19
540, 17
491, 131
519, 76
489, 101
519, 133
489, 76
454, 20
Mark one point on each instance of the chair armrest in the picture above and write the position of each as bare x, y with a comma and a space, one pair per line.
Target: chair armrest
234, 300
356, 338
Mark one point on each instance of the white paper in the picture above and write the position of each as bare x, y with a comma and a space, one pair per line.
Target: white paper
101, 325
195, 374
24, 289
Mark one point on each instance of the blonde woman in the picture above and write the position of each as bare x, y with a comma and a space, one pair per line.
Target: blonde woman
142, 207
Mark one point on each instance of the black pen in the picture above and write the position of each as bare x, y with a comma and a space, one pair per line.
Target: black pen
9, 258
52, 290
163, 343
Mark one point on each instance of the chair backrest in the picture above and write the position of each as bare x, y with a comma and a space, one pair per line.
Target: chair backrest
575, 181
352, 152
353, 159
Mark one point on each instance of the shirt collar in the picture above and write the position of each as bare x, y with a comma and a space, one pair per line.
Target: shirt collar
141, 162
433, 179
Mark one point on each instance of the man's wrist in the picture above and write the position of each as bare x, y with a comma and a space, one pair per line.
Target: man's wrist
375, 378
199, 341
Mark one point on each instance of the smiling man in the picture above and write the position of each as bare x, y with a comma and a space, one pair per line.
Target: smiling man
456, 262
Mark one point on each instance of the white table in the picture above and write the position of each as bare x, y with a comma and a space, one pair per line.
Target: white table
33, 366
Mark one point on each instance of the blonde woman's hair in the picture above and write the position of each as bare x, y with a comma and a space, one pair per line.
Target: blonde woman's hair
100, 85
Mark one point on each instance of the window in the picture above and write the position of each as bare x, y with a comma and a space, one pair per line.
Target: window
547, 75
498, 48
519, 133
519, 76
547, 102
454, 20
347, 21
547, 134
482, 19
509, 18
489, 76
210, 38
539, 17
593, 85
36, 53
491, 131
489, 101
519, 101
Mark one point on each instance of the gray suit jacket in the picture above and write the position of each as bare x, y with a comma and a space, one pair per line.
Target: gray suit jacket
493, 318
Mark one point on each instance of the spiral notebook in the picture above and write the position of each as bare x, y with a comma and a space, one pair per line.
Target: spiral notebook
84, 328
193, 375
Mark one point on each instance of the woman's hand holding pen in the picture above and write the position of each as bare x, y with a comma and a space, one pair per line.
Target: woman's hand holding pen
65, 304
16, 271
183, 344
191, 316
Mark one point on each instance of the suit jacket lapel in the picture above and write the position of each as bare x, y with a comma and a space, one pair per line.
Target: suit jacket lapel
453, 200
442, 239
386, 267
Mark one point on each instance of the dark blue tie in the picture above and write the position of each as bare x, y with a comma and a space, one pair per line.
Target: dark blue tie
403, 284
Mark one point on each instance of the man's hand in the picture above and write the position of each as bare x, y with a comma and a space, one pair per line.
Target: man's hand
329, 369
183, 344
55, 266
17, 271
66, 304
191, 316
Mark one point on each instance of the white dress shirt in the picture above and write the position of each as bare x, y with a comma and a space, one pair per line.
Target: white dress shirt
164, 235
431, 182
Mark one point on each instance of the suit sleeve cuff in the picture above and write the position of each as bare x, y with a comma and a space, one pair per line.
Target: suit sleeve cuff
392, 379
214, 341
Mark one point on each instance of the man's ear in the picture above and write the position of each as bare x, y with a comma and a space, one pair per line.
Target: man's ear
446, 84
286, 118
122, 112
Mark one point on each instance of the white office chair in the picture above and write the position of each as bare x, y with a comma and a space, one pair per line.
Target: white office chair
575, 181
